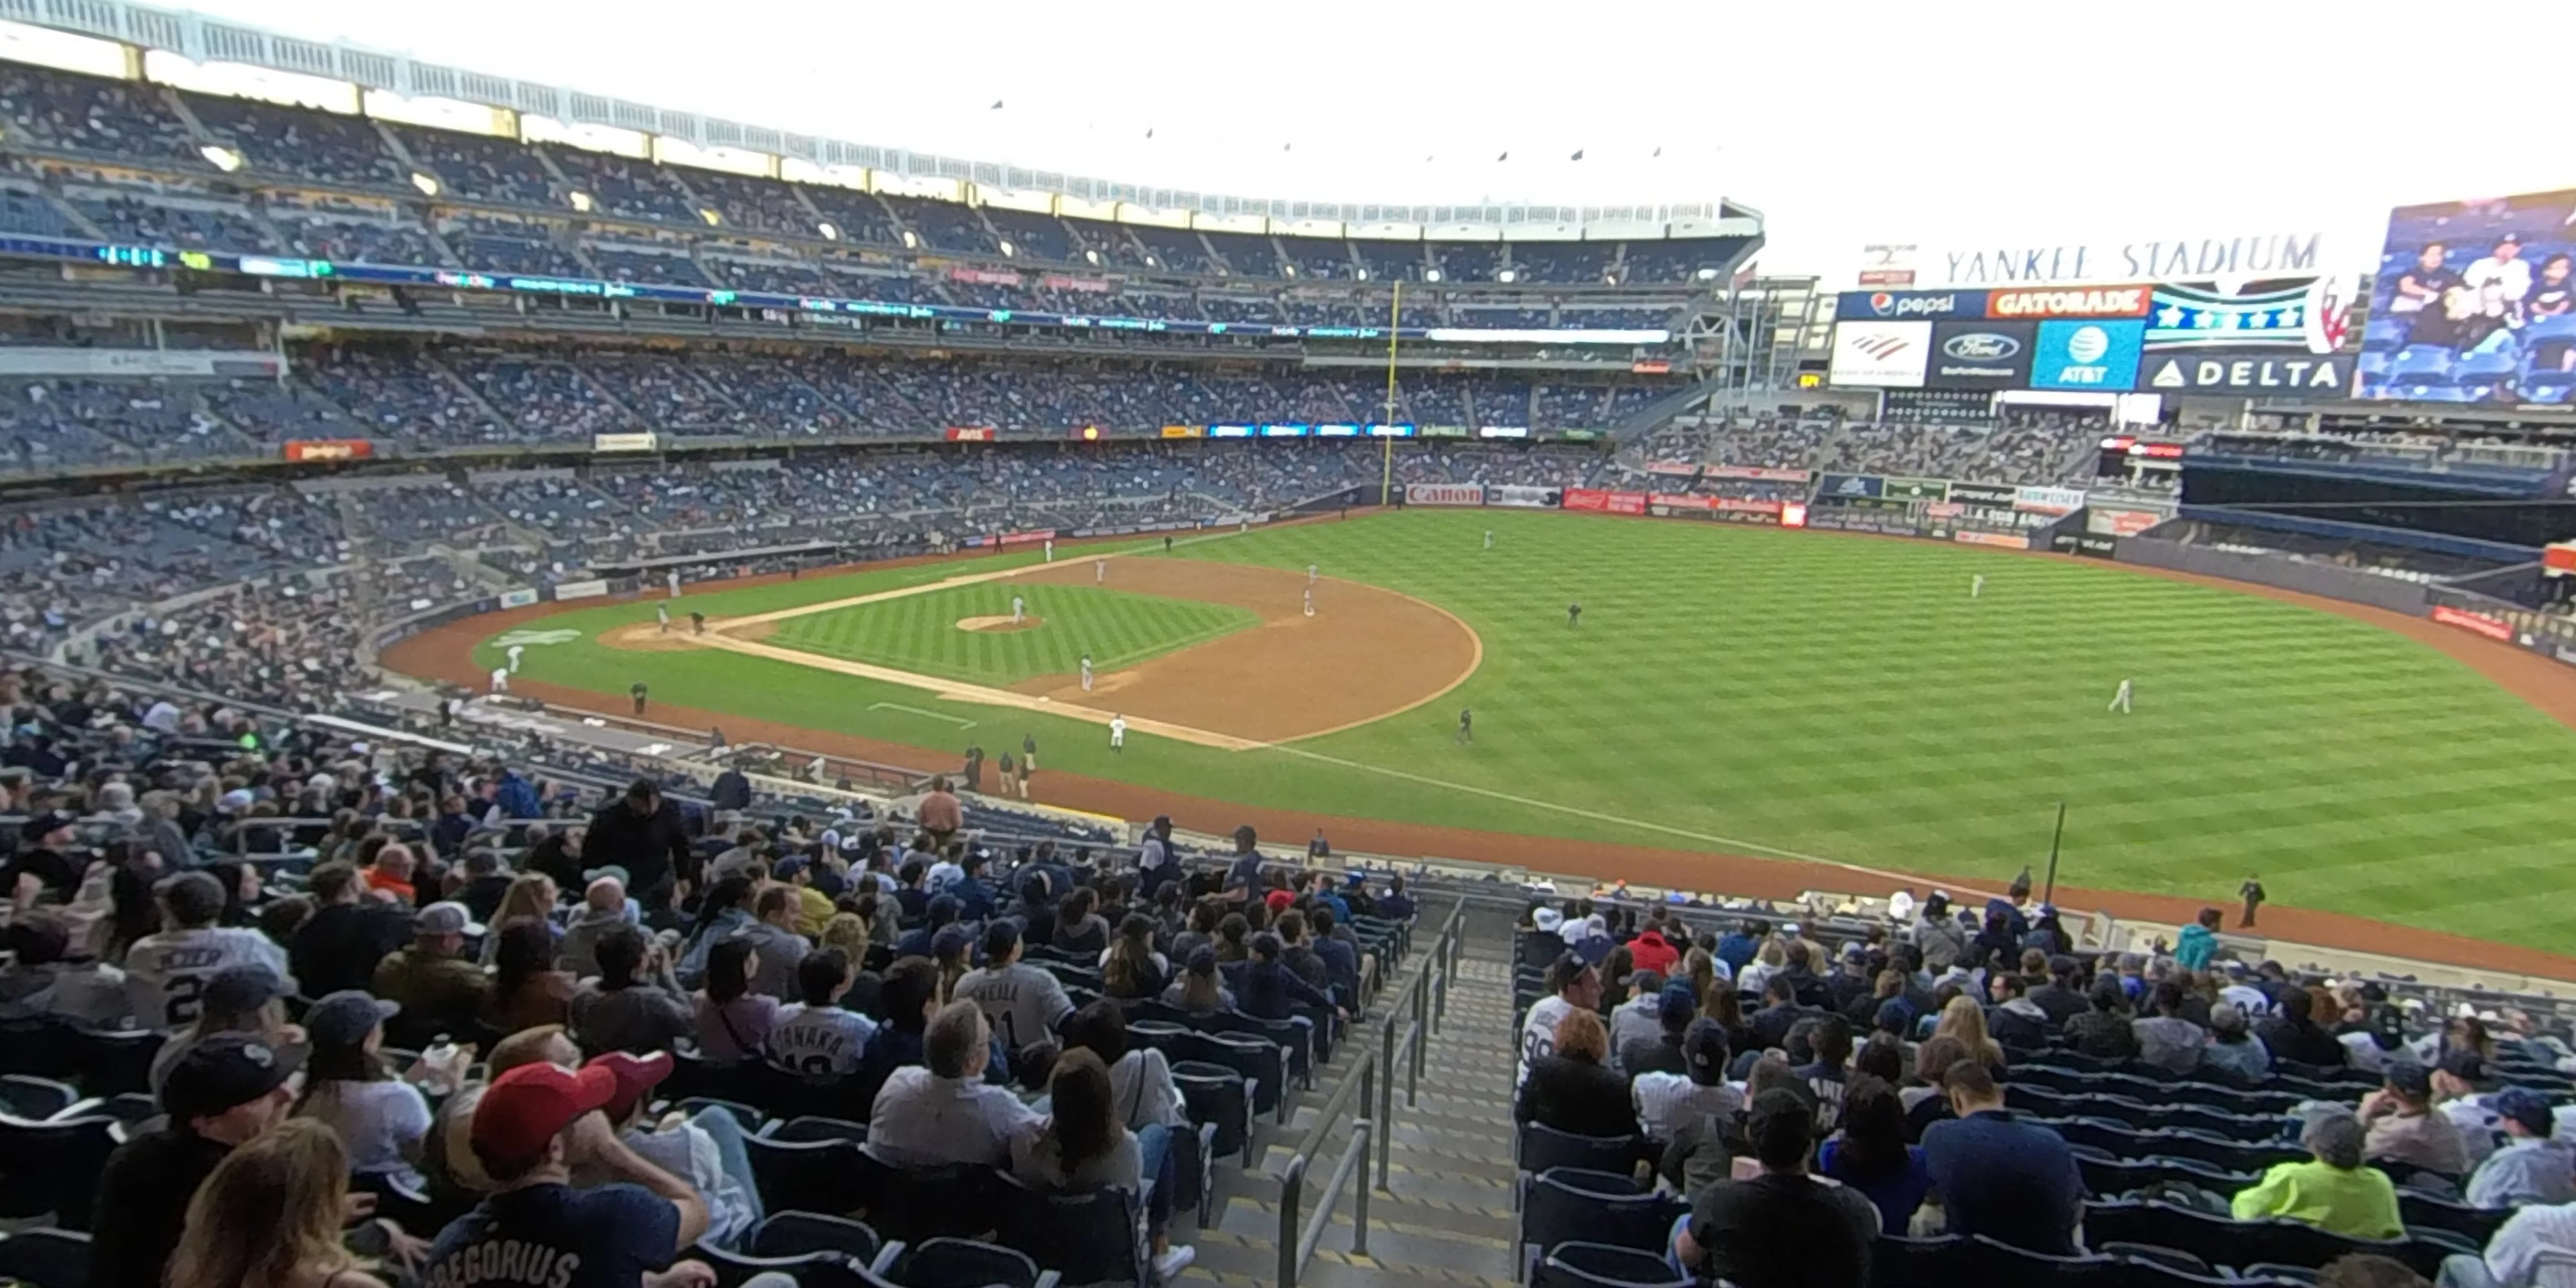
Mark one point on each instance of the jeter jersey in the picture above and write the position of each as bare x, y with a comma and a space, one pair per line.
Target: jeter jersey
1022, 1002
819, 1041
166, 973
1538, 1032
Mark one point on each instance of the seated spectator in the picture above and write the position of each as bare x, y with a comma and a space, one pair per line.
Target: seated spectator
1669, 1103
2381, 1045
1780, 1010
45, 975
733, 1022
389, 874
167, 971
2016, 1021
1270, 991
270, 1215
533, 1126
724, 913
1023, 1003
704, 1149
2165, 1039
527, 990
2513, 1256
348, 934
1997, 1175
2058, 997
815, 1036
1573, 1089
1078, 928
239, 999
943, 1111
1963, 1019
433, 983
814, 908
225, 1091
2403, 1128
1085, 1145
2455, 1094
1783, 1228
2294, 1035
1871, 1154
603, 908
348, 1088
1637, 1018
633, 1004
1831, 1045
1201, 989
1925, 1101
2332, 1191
1650, 951
1130, 968
774, 936
2105, 1032
2532, 1167
1674, 1010
2231, 1049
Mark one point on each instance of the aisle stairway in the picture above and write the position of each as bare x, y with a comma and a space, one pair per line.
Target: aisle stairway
1445, 1215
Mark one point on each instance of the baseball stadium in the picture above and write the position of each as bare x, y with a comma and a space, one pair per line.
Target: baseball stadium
742, 705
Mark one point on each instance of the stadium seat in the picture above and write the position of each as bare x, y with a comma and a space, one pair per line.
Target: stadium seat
813, 1129
1094, 1236
789, 1234
809, 1269
112, 1063
53, 1166
46, 1258
1221, 1098
43, 1045
920, 1204
818, 1175
25, 1095
1568, 1205
1897, 1261
749, 1118
1599, 1265
969, 1263
1540, 1149
2000, 1263
2430, 1212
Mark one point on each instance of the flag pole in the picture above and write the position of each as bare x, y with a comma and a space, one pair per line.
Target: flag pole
1386, 456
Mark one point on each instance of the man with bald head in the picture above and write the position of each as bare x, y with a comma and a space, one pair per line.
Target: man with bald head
603, 908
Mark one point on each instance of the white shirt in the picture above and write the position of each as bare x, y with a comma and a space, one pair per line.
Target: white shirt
1023, 1003
1538, 1032
819, 1041
924, 1120
163, 717
2246, 998
379, 1122
1666, 1101
2513, 1253
1118, 727
1900, 907
2513, 274
500, 674
166, 972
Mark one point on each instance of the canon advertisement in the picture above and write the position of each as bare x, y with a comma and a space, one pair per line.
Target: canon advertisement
1880, 355
1980, 355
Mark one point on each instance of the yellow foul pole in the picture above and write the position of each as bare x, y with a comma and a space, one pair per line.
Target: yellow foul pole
1386, 467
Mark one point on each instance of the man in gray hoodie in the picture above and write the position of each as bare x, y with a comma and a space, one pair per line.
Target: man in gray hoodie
603, 907
774, 941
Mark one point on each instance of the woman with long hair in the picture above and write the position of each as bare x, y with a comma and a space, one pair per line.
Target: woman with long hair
269, 1216
1963, 1019
527, 990
1871, 1155
1233, 937
530, 898
1086, 1145
348, 1088
1573, 1089
1200, 990
849, 932
1720, 1002
733, 1022
1924, 1100
1131, 968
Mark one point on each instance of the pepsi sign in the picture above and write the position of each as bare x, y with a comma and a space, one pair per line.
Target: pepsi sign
1908, 306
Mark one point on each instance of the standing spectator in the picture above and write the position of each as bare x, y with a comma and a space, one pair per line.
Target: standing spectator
2198, 942
942, 1111
431, 980
269, 1216
1781, 1229
1872, 1156
1669, 1102
349, 933
634, 1004
2403, 1128
1999, 1176
641, 834
2530, 1168
225, 1091
1573, 1088
2332, 1191
940, 813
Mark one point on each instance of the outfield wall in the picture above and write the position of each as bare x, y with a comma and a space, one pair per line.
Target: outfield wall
2285, 574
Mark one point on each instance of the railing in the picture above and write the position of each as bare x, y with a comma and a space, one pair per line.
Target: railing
1426, 1002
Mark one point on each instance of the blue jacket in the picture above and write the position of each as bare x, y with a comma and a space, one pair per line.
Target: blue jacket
517, 796
1271, 991
2195, 947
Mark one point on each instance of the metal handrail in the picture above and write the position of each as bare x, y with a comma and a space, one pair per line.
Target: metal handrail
1373, 1079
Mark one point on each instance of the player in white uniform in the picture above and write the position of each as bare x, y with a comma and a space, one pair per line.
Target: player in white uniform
1577, 985
815, 1037
1050, 550
2120, 700
1099, 572
1019, 610
673, 581
500, 679
515, 651
1977, 586
1117, 733
166, 972
1310, 601
662, 616
1086, 673
1023, 1003
1489, 538
1310, 574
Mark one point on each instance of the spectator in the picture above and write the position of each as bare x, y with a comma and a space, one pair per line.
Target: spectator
389, 873
2198, 943
733, 1022
2016, 1021
2513, 1256
1652, 952
1925, 1101
1669, 1102
2381, 1045
1572, 1088
437, 988
943, 1111
2231, 1049
2059, 998
1674, 1011
534, 1125
43, 975
1021, 1002
527, 991
2368, 1270
239, 999
774, 940
1140, 1078
269, 1216
705, 1149
348, 934
725, 912
1200, 990
1963, 1019
1130, 968
2455, 1082
166, 972
1830, 1043
814, 908
2332, 1191
641, 835
348, 1088
633, 1004
1780, 1012
2105, 1032
1079, 929
1271, 991
603, 908
2294, 1035
225, 1091
1637, 1018
1997, 1175
1872, 1156
2404, 1129
816, 1036
1086, 1145
2531, 1168
2165, 1039
1781, 1229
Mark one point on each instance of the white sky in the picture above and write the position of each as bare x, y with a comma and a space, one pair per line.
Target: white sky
1844, 121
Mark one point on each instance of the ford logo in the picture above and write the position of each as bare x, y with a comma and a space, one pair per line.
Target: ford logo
1981, 346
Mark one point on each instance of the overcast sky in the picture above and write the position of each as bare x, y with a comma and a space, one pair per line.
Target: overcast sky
1948, 125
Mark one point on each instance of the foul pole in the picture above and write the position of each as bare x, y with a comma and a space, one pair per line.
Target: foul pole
1386, 446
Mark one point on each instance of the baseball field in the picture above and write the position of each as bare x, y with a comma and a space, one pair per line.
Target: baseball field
1732, 690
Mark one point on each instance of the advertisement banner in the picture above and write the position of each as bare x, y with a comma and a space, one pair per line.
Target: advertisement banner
1860, 306
2048, 500
1682, 468
1444, 494
1944, 406
2474, 623
1980, 355
1183, 431
329, 449
1880, 354
1625, 502
1521, 496
646, 441
1337, 431
2003, 540
1733, 505
1444, 431
1916, 489
519, 598
2089, 545
969, 433
1586, 498
2238, 371
2100, 356
2070, 302
1029, 537
2120, 523
1662, 501
1756, 473
2286, 315
1230, 431
2003, 494
591, 589
1829, 486
2481, 282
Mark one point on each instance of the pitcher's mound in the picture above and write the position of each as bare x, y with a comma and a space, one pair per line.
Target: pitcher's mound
1002, 623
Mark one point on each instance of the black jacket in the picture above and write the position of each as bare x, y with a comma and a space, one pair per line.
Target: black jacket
1576, 1096
142, 1205
731, 790
2061, 1003
653, 848
339, 946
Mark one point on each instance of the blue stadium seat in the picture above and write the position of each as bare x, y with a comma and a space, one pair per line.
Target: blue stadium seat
1569, 1204
46, 1258
1595, 1265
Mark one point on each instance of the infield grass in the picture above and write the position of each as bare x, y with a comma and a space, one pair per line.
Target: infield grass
1803, 694
920, 632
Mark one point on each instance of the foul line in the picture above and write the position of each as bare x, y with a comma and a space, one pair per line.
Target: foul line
960, 721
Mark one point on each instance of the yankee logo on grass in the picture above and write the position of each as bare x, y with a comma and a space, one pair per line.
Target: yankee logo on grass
511, 639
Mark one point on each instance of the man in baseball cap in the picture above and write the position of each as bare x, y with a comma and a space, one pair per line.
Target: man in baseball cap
706, 1151
433, 981
2403, 1127
221, 1092
2531, 1166
532, 1127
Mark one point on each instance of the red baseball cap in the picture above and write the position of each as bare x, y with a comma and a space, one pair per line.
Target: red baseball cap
1279, 900
635, 1074
532, 1104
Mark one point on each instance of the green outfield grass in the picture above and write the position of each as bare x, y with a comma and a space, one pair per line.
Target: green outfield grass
919, 632
1802, 694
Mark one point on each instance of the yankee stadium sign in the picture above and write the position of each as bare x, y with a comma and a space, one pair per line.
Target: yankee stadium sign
2009, 263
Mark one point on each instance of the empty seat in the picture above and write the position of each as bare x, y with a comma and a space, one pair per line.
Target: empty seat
1598, 1265
1571, 1205
820, 1175
1094, 1236
46, 1258
812, 1129
788, 1234
966, 1263
1899, 1262
1219, 1097
53, 1166
1541, 1148
29, 1096
2005, 1266
809, 1270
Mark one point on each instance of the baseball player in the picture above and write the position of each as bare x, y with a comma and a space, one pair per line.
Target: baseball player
637, 692
1117, 733
1086, 673
500, 679
1466, 725
662, 619
2120, 700
673, 581
698, 623
1019, 610
1977, 586
1029, 750
1489, 538
1310, 601
1574, 614
515, 651
1099, 572
1050, 550
1010, 772
1310, 574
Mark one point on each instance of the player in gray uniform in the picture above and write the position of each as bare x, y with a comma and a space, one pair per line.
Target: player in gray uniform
1022, 1002
166, 973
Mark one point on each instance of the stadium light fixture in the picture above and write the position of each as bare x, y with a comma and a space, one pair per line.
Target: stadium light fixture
1150, 261
1507, 276
714, 217
830, 233
1361, 274
426, 182
911, 240
1007, 250
1431, 275
1707, 275
1090, 256
221, 158
581, 201
1288, 270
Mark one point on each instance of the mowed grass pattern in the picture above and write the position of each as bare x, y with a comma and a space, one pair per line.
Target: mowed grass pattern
1752, 690
920, 632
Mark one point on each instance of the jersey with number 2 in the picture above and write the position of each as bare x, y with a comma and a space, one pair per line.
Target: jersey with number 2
166, 974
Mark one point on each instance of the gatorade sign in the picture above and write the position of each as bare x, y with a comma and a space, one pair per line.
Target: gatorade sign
2070, 302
